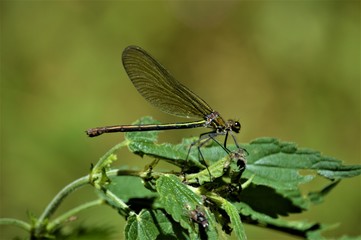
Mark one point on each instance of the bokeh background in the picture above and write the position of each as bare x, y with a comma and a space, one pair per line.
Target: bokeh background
285, 69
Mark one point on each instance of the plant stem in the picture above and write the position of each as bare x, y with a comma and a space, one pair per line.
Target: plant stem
66, 216
53, 205
12, 221
118, 203
105, 157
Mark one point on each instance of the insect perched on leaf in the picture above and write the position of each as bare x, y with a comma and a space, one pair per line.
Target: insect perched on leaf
163, 91
198, 216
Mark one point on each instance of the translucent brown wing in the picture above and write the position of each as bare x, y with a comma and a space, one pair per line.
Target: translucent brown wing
159, 87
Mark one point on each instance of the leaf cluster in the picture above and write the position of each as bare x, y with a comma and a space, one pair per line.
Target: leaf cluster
212, 195
257, 184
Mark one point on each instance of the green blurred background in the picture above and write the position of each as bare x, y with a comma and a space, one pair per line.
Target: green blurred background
286, 69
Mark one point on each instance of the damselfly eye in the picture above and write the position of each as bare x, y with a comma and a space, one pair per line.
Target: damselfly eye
236, 127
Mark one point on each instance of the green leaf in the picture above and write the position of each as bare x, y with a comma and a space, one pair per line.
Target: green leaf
281, 166
277, 164
128, 187
149, 225
333, 169
235, 220
298, 228
178, 199
274, 168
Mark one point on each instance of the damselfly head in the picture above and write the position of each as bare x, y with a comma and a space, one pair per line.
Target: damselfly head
235, 126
